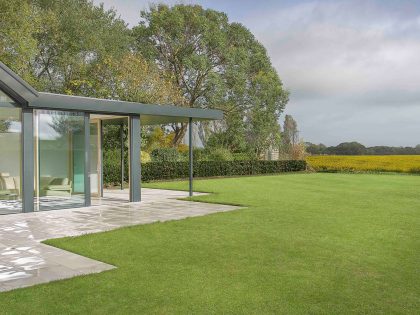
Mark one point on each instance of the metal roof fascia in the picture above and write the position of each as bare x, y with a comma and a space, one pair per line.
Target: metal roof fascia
95, 105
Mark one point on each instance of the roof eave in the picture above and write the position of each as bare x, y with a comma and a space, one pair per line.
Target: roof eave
103, 106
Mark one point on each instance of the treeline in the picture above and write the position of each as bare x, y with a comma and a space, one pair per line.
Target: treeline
184, 55
355, 148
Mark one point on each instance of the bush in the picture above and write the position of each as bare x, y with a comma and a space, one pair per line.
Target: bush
199, 154
219, 154
111, 166
165, 155
145, 157
174, 170
183, 148
241, 157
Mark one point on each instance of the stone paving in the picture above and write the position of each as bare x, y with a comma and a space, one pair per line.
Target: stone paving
24, 261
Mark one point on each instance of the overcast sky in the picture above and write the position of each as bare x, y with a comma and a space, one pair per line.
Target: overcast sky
352, 67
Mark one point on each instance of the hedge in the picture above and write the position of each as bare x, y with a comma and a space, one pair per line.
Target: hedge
174, 170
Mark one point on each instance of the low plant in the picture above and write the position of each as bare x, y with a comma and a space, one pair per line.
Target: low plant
365, 163
165, 155
219, 154
175, 170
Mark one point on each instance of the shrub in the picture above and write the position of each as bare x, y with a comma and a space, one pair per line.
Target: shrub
174, 170
220, 154
145, 157
199, 154
241, 157
183, 148
298, 151
111, 166
165, 155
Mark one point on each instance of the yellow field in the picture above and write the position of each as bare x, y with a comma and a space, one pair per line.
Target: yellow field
363, 163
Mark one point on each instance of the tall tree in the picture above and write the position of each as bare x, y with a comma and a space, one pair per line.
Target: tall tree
75, 35
291, 146
215, 63
129, 78
19, 21
290, 131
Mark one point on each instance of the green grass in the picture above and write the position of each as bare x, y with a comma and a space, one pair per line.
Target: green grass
306, 244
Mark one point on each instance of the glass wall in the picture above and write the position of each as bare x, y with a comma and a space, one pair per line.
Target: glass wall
10, 156
60, 159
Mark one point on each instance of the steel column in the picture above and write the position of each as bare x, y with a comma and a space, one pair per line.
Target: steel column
101, 159
135, 166
27, 160
190, 149
122, 154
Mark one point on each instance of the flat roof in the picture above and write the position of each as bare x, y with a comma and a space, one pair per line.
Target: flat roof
27, 96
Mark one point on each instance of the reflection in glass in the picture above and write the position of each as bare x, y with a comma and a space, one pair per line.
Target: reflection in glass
60, 149
94, 159
10, 157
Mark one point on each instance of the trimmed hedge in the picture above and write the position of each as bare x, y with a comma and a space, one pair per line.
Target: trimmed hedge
174, 170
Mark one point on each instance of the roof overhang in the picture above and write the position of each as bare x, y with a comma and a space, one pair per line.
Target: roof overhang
150, 114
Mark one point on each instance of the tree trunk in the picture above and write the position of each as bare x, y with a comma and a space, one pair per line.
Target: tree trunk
179, 134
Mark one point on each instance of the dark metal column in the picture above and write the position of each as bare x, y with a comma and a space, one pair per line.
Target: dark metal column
27, 160
87, 160
135, 166
122, 154
190, 149
101, 158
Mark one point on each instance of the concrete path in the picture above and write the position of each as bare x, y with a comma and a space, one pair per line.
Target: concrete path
24, 261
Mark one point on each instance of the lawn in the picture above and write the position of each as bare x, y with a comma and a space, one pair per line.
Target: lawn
305, 244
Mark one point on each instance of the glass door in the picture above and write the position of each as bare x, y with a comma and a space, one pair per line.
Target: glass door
60, 159
10, 156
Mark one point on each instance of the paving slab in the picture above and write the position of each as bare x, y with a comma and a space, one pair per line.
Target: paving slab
25, 261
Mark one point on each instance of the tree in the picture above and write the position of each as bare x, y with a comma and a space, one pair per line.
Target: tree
19, 21
290, 131
291, 146
186, 42
232, 137
347, 148
183, 55
215, 64
75, 35
155, 139
129, 78
315, 149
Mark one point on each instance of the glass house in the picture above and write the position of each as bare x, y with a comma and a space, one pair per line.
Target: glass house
51, 144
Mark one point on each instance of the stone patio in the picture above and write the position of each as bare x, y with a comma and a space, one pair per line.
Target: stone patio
24, 261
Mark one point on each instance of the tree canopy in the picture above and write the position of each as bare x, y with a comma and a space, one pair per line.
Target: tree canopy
216, 64
183, 55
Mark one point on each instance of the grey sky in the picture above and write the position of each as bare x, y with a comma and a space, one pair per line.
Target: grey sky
352, 67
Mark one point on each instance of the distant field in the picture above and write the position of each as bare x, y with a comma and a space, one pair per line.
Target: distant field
366, 163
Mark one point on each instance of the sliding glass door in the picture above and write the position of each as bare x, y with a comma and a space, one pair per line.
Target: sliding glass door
60, 159
10, 156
